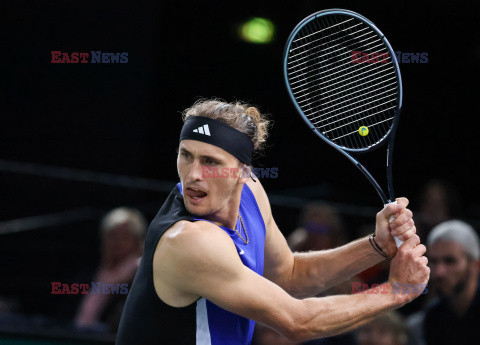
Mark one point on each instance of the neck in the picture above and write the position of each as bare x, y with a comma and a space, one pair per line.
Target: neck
228, 215
460, 302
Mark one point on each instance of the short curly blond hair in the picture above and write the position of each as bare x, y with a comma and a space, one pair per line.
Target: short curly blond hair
241, 116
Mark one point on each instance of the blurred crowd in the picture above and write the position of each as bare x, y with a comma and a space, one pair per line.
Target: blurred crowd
447, 313
97, 308
122, 232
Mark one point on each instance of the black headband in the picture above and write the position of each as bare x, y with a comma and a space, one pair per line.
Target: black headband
219, 134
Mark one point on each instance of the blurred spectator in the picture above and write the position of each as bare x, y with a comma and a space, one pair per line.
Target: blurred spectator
414, 324
439, 201
320, 228
453, 252
388, 329
122, 235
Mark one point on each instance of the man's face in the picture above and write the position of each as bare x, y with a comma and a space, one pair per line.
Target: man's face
120, 243
450, 267
202, 168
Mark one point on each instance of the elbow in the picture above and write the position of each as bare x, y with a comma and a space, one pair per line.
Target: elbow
304, 280
295, 327
295, 333
294, 337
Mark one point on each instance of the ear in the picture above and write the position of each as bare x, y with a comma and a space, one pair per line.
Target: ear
246, 172
476, 264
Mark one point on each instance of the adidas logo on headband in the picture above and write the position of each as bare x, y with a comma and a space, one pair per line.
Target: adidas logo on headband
218, 133
203, 130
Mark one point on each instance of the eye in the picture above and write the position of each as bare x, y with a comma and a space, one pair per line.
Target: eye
449, 260
210, 161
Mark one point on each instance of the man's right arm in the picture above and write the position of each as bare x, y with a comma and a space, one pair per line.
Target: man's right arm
200, 260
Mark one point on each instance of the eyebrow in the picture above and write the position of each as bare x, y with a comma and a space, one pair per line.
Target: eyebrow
217, 158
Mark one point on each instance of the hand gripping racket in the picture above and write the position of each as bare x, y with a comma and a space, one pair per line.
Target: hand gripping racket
343, 78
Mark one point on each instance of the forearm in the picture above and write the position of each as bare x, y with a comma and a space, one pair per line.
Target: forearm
317, 271
328, 316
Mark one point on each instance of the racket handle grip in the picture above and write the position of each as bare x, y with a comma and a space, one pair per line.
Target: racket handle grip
398, 241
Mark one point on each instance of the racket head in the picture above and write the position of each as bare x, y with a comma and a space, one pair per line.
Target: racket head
336, 96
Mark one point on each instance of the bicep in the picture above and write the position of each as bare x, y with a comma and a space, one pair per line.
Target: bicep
279, 259
252, 296
214, 271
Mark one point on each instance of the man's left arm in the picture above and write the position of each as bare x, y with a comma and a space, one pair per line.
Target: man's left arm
307, 274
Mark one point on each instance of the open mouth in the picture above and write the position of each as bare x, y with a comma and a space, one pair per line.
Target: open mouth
195, 195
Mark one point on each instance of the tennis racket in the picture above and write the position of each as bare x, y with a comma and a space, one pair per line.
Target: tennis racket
343, 78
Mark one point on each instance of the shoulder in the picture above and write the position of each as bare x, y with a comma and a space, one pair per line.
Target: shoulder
183, 236
186, 256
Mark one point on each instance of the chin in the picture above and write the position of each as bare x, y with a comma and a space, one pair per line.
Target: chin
444, 291
198, 211
441, 293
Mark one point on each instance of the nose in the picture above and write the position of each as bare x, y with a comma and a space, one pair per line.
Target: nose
196, 173
439, 270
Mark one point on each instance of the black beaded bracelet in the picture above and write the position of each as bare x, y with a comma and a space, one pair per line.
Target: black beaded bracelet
376, 247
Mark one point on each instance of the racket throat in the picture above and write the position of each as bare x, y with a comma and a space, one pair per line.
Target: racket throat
391, 192
374, 183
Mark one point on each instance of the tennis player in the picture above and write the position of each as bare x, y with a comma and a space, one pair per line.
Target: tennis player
215, 261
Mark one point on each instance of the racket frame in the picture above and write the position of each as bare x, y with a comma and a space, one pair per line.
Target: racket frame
390, 135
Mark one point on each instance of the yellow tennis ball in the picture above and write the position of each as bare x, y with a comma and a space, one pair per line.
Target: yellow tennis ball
363, 131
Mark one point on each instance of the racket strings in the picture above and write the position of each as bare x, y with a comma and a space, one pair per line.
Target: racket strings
348, 127
365, 117
336, 94
317, 32
340, 76
369, 74
341, 129
315, 50
352, 82
340, 45
346, 117
375, 124
348, 60
389, 94
371, 37
352, 88
341, 73
382, 85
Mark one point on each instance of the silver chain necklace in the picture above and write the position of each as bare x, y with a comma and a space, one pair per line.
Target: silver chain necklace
244, 230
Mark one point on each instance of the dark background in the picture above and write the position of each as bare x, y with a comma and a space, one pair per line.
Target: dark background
124, 119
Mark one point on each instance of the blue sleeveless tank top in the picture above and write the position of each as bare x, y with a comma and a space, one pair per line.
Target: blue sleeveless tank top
216, 326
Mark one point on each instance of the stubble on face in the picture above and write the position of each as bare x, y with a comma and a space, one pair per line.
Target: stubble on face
456, 268
219, 190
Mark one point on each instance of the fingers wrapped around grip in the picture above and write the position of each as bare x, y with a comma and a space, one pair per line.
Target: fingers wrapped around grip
410, 243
